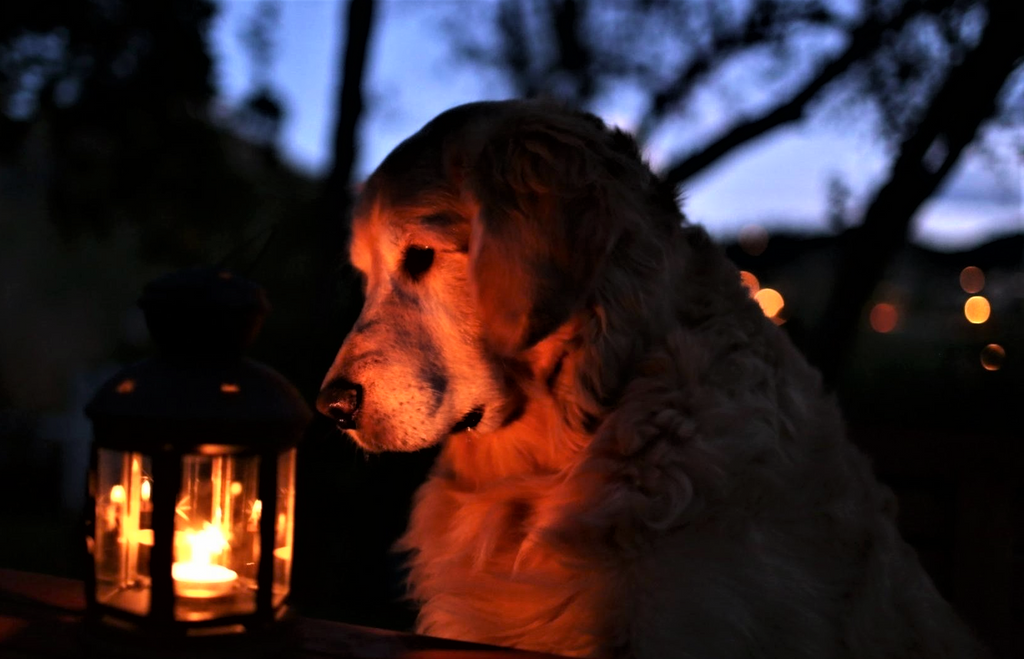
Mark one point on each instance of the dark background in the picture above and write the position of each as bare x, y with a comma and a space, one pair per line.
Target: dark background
116, 165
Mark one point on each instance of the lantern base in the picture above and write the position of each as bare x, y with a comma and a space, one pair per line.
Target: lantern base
119, 639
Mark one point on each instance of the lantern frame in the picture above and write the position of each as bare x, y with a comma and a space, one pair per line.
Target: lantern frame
197, 397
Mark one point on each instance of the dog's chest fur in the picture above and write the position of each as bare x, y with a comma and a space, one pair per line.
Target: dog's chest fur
484, 570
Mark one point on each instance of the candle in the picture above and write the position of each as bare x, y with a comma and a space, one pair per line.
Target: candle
199, 580
199, 576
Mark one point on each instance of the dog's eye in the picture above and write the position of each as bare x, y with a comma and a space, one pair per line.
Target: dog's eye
417, 260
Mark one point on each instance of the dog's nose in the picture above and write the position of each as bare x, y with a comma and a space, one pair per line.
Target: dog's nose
340, 400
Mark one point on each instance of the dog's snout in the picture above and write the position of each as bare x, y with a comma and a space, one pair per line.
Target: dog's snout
340, 400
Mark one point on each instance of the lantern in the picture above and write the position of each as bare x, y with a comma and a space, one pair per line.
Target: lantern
192, 474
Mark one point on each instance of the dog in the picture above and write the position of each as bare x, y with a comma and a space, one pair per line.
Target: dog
635, 462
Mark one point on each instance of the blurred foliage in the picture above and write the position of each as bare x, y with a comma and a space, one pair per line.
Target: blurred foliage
124, 91
116, 163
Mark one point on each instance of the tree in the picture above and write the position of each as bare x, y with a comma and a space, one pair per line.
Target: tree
928, 69
261, 113
925, 158
123, 89
113, 168
339, 482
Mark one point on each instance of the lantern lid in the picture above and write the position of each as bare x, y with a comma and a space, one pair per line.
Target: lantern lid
204, 311
199, 390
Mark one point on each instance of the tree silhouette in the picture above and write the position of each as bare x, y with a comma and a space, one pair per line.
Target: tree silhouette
967, 98
123, 92
346, 569
930, 69
261, 113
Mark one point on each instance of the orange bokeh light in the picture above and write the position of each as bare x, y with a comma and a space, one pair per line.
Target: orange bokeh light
972, 279
750, 281
771, 301
884, 317
992, 357
977, 309
753, 239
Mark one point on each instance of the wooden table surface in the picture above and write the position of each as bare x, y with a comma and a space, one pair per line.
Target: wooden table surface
41, 616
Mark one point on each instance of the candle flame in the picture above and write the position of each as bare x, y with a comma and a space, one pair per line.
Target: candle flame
205, 544
117, 494
199, 576
146, 490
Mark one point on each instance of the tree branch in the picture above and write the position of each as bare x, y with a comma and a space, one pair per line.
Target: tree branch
864, 39
754, 31
966, 99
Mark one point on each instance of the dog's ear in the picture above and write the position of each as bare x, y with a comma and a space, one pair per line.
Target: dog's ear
544, 223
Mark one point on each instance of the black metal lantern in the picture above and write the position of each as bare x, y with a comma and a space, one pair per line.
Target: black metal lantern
192, 472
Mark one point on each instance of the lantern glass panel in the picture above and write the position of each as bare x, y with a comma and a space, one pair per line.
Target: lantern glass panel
216, 537
124, 529
285, 524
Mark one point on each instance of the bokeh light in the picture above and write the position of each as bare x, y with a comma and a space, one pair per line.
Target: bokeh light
750, 281
977, 309
884, 317
771, 301
992, 357
972, 279
753, 239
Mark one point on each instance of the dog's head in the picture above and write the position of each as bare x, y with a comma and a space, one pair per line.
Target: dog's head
480, 239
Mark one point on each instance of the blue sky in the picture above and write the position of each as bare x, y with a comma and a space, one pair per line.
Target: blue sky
780, 181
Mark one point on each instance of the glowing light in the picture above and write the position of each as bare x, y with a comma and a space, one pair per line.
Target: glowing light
977, 309
236, 488
771, 301
229, 388
143, 536
257, 510
117, 494
205, 544
972, 279
883, 317
200, 580
146, 490
753, 239
750, 281
992, 357
199, 576
125, 386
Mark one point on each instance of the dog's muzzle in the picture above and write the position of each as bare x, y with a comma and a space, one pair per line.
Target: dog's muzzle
341, 400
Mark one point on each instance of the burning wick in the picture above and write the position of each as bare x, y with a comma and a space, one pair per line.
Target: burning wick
199, 577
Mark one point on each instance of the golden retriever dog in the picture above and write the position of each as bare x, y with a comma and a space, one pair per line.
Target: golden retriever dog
635, 461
